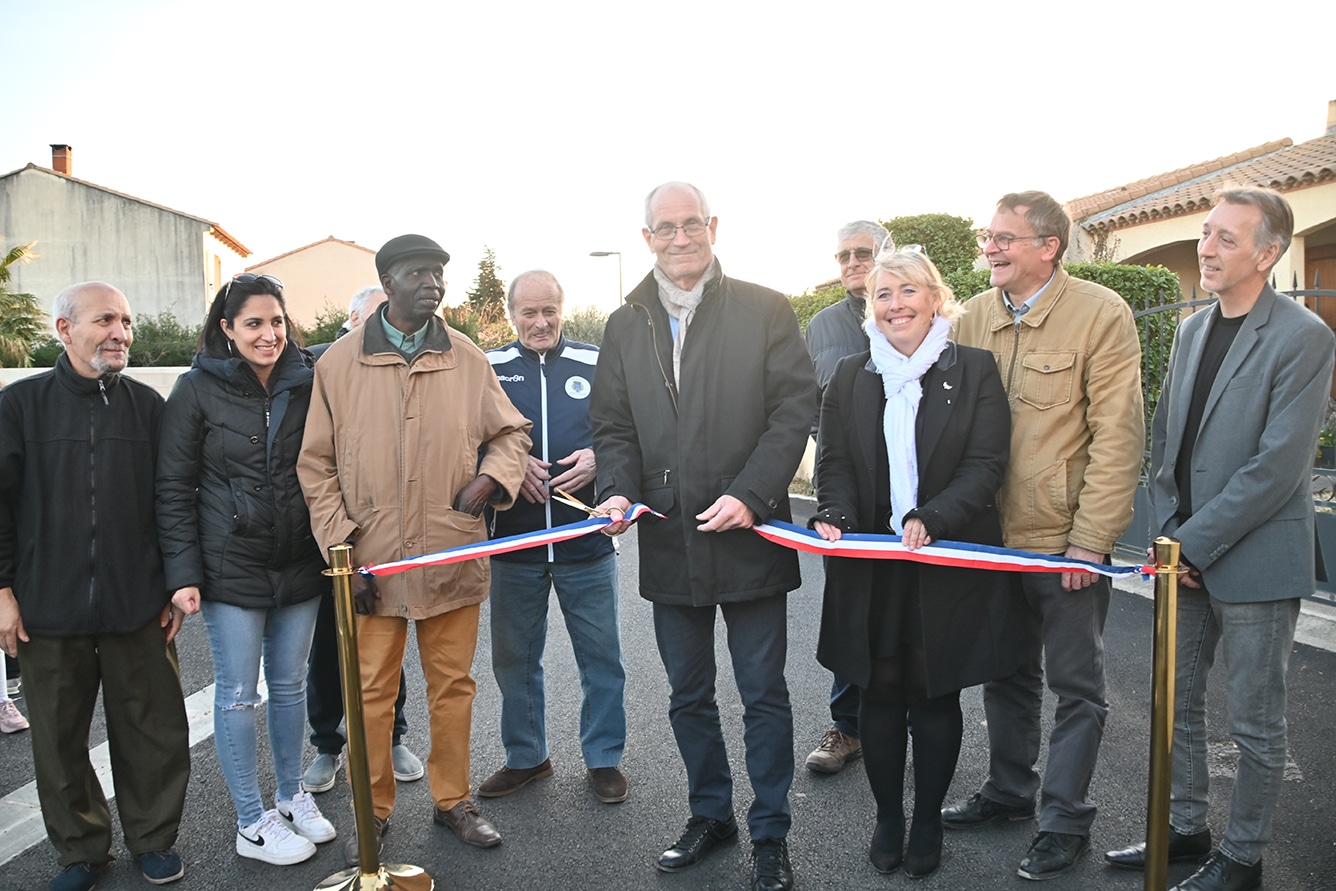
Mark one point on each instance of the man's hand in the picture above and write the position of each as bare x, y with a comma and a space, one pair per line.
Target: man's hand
726, 513
615, 507
1189, 579
11, 623
365, 594
171, 619
474, 497
915, 535
534, 488
827, 531
582, 471
1075, 581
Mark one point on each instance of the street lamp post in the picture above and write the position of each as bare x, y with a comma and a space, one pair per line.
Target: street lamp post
618, 254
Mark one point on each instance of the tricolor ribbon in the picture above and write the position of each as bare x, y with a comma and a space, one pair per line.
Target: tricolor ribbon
854, 544
940, 553
505, 545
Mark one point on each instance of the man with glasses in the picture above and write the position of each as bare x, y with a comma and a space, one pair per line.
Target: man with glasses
833, 333
704, 401
1071, 365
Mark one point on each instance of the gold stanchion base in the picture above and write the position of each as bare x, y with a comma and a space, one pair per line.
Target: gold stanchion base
391, 875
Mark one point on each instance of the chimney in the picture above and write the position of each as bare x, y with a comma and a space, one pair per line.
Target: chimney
1331, 118
62, 159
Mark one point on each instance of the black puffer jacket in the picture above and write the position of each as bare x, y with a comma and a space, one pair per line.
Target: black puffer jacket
231, 516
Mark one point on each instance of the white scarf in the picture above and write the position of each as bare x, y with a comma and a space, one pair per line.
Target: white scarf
900, 381
681, 305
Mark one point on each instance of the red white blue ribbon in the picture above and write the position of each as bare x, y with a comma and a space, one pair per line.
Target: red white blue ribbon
940, 553
505, 545
855, 544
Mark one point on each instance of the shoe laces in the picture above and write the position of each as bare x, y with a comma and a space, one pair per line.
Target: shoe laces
832, 741
770, 857
303, 804
272, 824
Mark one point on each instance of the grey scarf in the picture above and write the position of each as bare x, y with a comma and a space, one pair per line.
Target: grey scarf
681, 305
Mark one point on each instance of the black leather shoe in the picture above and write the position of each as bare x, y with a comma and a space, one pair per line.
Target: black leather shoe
1053, 854
1222, 874
980, 811
700, 837
770, 866
887, 849
1182, 849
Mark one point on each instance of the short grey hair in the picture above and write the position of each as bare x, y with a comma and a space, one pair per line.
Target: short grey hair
882, 239
533, 273
1044, 214
649, 199
1277, 226
361, 299
67, 301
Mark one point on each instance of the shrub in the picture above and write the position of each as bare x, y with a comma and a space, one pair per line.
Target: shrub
163, 341
948, 240
809, 303
585, 325
327, 324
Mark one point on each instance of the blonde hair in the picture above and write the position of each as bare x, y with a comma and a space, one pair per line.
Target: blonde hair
914, 267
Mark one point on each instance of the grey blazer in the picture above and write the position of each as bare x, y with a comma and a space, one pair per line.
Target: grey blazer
1251, 532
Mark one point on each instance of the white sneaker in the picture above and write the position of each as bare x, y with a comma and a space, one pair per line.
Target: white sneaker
305, 818
271, 840
11, 719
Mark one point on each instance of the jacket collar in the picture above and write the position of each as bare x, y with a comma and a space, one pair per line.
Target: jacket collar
945, 361
1002, 317
374, 341
79, 385
292, 369
646, 294
551, 354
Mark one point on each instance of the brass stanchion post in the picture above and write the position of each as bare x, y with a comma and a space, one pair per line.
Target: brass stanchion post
1162, 712
370, 874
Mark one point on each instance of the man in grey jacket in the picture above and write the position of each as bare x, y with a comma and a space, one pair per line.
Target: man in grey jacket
1231, 454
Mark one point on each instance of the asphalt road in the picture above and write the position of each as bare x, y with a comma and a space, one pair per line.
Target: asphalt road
557, 836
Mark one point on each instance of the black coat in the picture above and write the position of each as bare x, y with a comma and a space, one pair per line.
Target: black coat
78, 539
231, 515
736, 424
974, 622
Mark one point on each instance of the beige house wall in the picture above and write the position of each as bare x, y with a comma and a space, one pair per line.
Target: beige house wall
327, 272
1172, 242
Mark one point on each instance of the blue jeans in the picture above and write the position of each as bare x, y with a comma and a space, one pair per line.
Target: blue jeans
1258, 638
758, 645
587, 593
240, 638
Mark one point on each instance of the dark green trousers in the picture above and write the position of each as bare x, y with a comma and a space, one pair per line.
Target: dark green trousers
147, 734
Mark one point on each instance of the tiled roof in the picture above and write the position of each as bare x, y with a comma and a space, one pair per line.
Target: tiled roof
311, 245
1279, 165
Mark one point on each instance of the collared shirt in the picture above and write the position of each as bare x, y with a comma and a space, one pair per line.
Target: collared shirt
1018, 311
408, 344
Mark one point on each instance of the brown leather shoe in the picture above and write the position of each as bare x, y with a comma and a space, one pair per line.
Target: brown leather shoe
471, 827
610, 786
510, 779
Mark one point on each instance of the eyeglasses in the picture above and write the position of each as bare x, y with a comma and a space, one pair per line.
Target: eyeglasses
863, 255
1004, 242
692, 228
246, 278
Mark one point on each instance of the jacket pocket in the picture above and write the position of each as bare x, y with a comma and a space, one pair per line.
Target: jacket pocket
656, 491
1046, 379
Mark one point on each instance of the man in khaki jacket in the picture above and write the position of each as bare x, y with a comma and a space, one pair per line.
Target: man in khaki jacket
1071, 365
409, 436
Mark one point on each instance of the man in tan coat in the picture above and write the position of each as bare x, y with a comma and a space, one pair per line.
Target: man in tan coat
409, 436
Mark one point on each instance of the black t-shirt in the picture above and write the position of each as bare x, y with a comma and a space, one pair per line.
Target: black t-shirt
1218, 342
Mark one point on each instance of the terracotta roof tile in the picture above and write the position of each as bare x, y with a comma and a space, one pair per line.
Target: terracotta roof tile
1279, 165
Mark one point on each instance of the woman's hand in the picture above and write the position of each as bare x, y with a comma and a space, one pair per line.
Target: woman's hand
915, 535
186, 600
827, 531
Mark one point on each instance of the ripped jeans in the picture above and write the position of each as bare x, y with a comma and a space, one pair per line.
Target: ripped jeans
240, 638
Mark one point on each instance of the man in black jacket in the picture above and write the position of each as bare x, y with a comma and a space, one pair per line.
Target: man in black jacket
83, 599
704, 400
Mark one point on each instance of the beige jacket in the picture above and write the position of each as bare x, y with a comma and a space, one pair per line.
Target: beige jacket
388, 446
1072, 371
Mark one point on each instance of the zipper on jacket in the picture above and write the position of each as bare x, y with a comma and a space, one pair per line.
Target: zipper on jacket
92, 501
542, 414
1015, 353
654, 339
102, 388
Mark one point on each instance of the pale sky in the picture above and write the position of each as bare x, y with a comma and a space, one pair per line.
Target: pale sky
537, 128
